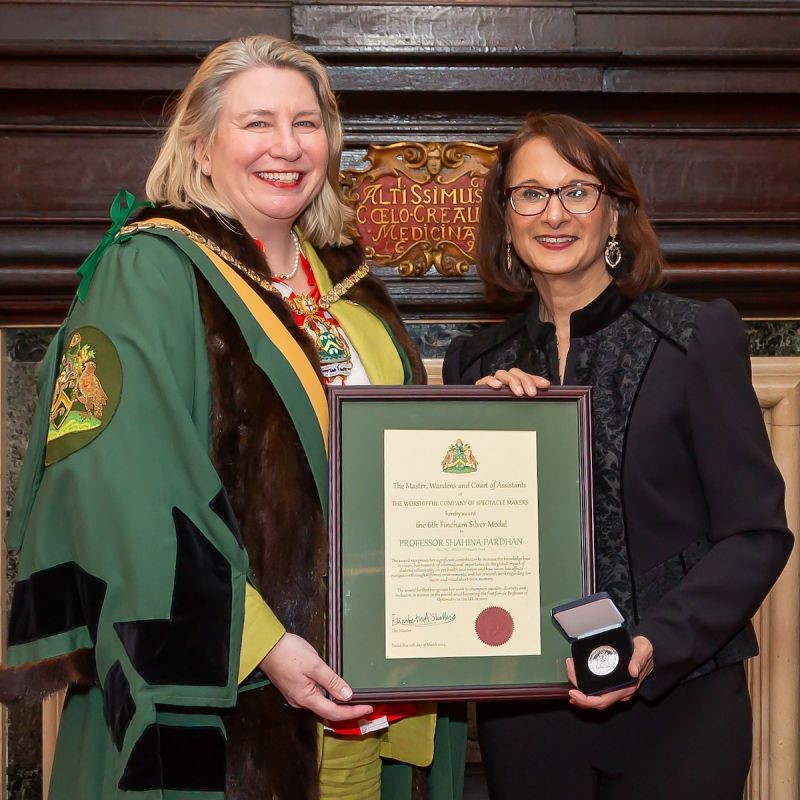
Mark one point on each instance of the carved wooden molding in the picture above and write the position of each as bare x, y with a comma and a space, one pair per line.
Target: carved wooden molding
40, 293
625, 28
417, 204
84, 84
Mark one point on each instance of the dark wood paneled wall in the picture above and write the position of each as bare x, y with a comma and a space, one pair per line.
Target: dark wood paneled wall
703, 98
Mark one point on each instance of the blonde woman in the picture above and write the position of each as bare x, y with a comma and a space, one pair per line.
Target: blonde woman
174, 539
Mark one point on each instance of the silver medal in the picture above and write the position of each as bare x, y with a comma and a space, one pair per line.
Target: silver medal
603, 660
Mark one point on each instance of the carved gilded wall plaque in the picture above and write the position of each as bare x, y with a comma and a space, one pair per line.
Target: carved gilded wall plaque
417, 204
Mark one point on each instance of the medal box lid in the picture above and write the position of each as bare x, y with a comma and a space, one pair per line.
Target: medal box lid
587, 616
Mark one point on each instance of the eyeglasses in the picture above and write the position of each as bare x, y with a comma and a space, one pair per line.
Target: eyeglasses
577, 198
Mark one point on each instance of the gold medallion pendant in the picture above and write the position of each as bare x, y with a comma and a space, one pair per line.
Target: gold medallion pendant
333, 350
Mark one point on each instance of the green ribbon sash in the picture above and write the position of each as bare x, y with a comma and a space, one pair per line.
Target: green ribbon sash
122, 206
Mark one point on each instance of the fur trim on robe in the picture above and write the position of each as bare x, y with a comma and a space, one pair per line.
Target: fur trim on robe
261, 464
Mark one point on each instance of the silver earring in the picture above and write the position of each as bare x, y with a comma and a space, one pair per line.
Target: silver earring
613, 253
508, 256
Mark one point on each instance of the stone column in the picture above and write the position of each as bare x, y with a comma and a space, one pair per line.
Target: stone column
775, 676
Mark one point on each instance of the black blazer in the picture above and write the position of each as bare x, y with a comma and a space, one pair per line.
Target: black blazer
690, 529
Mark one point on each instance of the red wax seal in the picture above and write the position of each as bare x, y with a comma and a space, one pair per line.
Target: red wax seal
494, 626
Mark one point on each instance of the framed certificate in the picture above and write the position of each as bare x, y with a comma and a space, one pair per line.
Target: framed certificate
459, 517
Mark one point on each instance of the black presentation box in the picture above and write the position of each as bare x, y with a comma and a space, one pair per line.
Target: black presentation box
601, 646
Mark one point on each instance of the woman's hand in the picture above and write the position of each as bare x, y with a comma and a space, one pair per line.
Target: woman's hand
301, 676
521, 383
640, 666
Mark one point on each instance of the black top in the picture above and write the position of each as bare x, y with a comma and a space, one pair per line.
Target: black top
690, 530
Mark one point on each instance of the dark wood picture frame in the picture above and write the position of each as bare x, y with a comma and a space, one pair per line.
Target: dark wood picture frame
400, 401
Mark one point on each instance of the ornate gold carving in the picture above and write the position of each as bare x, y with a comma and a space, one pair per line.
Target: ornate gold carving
417, 204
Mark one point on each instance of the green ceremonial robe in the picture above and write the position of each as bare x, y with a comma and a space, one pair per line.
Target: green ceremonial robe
126, 540
127, 543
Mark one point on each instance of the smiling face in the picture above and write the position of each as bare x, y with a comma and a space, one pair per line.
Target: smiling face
556, 243
269, 154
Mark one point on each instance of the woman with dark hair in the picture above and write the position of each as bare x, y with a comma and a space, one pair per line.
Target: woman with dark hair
690, 531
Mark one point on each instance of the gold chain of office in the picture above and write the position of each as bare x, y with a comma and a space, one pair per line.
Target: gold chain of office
325, 302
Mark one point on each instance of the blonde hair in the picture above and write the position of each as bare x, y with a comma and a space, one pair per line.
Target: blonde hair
176, 178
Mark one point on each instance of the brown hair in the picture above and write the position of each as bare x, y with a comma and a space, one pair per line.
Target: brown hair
176, 179
589, 151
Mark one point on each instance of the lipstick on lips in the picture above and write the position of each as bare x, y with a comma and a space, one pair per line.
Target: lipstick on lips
281, 180
556, 242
